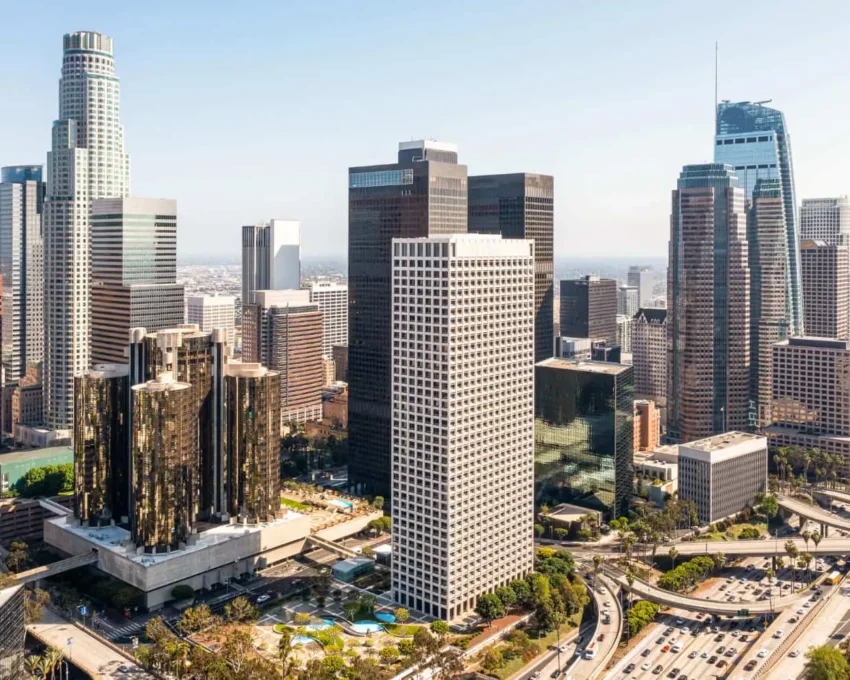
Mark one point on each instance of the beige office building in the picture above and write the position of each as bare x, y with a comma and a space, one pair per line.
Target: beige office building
332, 298
811, 395
649, 357
826, 288
462, 419
213, 311
722, 474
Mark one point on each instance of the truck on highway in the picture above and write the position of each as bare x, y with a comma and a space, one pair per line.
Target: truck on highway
833, 578
590, 652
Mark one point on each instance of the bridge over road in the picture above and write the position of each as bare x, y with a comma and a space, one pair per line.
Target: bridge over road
54, 568
814, 513
763, 548
647, 591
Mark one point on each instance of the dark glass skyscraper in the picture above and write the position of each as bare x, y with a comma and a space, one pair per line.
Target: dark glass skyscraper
589, 308
584, 434
521, 205
754, 140
423, 194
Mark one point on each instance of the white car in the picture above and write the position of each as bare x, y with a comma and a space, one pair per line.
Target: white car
607, 603
735, 633
762, 653
677, 647
704, 655
685, 629
564, 648
794, 654
679, 622
646, 666
263, 598
779, 633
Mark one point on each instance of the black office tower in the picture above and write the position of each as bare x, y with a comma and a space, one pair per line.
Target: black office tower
589, 308
521, 205
423, 194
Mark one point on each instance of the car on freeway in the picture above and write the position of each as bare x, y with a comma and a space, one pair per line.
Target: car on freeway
763, 652
646, 666
665, 649
730, 652
645, 653
704, 655
629, 668
712, 659
793, 619
692, 655
719, 637
677, 647
794, 654
660, 641
679, 622
752, 664
263, 598
722, 663
657, 670
673, 673
555, 673
534, 676
720, 649
735, 633
744, 638
601, 637
668, 630
685, 629
779, 633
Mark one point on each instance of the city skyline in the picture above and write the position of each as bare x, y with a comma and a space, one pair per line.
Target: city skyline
566, 142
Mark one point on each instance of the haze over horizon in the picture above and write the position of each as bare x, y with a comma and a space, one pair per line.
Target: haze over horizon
257, 114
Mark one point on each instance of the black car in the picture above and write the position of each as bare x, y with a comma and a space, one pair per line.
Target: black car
673, 673
657, 670
719, 637
659, 641
645, 653
720, 649
712, 659
630, 668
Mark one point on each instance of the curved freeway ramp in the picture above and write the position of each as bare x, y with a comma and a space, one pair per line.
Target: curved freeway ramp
647, 591
589, 669
814, 513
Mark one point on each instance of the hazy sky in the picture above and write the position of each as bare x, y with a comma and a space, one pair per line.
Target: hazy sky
248, 110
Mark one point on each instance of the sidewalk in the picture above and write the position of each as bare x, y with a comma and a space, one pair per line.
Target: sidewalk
86, 651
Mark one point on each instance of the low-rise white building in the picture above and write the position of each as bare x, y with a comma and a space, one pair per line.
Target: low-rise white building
722, 474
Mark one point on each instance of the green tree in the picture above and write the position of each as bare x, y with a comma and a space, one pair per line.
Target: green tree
401, 614
492, 660
440, 628
538, 530
378, 503
182, 592
522, 590
389, 655
673, 554
350, 608
195, 619
34, 603
241, 610
489, 607
826, 663
406, 646
284, 653
507, 596
18, 557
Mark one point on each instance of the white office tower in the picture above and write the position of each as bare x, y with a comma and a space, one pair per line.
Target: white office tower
332, 299
213, 311
21, 268
87, 162
825, 219
462, 419
271, 257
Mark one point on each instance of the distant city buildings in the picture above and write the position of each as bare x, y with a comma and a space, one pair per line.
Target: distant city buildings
578, 349
589, 308
643, 279
271, 257
21, 268
213, 311
28, 399
134, 272
811, 395
649, 357
628, 300
825, 219
584, 434
722, 474
521, 205
462, 422
708, 292
332, 298
283, 331
423, 194
769, 308
624, 332
754, 140
826, 287
87, 162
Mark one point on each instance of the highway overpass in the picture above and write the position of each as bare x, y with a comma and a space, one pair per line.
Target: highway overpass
814, 513
763, 548
647, 591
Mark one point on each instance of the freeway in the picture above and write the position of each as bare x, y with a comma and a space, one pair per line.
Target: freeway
814, 513
648, 591
605, 636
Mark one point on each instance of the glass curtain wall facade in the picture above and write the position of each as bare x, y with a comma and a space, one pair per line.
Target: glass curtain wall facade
13, 633
22, 268
102, 486
252, 442
521, 205
754, 140
584, 434
708, 306
423, 194
165, 471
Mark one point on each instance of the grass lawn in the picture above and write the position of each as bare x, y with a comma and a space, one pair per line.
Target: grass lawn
295, 505
544, 643
731, 534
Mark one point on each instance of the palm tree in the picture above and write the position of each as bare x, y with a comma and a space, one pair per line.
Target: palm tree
673, 554
780, 563
628, 542
630, 579
598, 561
770, 572
33, 663
793, 553
816, 537
655, 538
54, 656
807, 561
806, 535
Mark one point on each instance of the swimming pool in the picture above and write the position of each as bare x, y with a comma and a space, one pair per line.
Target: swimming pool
315, 627
345, 505
367, 627
385, 617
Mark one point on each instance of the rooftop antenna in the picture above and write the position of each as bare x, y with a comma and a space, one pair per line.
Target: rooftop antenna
716, 50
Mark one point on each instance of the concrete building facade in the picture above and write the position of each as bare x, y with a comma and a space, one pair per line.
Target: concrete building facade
28, 398
332, 298
649, 356
209, 312
825, 219
826, 288
271, 257
462, 426
628, 300
722, 474
87, 161
589, 308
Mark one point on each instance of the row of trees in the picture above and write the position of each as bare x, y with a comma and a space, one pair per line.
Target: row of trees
688, 574
49, 480
640, 615
800, 461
